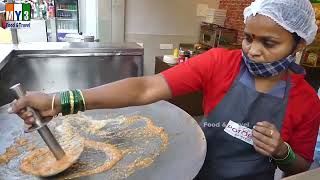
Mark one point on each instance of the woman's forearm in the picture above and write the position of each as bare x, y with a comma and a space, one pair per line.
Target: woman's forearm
127, 92
297, 166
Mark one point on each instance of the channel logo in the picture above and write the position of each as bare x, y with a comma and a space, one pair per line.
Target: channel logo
18, 15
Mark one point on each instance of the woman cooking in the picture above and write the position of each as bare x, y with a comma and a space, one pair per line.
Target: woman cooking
258, 88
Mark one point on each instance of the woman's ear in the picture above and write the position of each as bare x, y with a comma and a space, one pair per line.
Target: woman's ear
301, 46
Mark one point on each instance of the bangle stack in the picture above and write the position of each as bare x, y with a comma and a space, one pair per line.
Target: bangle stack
72, 102
290, 157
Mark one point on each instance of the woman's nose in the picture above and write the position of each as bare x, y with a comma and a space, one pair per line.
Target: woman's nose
254, 51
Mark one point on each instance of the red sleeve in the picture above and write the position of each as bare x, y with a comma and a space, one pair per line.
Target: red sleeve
304, 142
190, 76
302, 126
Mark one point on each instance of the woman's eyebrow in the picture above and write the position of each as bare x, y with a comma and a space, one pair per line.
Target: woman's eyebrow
275, 38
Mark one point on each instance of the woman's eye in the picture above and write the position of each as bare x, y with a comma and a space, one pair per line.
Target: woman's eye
269, 44
248, 39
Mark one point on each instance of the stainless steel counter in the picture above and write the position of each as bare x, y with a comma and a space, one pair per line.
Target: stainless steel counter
52, 67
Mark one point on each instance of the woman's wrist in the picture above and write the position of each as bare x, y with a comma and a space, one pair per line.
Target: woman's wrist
57, 104
283, 152
286, 159
68, 102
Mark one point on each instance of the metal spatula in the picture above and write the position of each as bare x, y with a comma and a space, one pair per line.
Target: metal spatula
40, 126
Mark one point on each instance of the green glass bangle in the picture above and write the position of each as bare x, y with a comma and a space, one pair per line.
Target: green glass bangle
71, 102
289, 159
81, 101
62, 102
68, 106
76, 101
65, 103
68, 102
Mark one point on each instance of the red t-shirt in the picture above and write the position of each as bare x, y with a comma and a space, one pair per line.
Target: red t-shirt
213, 73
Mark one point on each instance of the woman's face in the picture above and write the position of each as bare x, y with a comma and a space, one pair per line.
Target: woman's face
266, 41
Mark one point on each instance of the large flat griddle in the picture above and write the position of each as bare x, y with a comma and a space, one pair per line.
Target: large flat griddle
182, 160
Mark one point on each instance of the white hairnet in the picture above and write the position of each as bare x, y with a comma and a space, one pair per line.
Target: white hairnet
296, 16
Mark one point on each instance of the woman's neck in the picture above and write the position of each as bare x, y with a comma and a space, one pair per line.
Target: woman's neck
265, 84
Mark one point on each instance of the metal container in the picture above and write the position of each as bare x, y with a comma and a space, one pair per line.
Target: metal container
52, 67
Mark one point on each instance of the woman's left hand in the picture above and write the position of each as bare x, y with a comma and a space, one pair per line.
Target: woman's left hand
267, 140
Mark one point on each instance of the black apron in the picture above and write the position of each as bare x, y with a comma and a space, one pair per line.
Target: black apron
228, 157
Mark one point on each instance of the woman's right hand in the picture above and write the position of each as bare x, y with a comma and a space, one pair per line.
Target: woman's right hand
40, 102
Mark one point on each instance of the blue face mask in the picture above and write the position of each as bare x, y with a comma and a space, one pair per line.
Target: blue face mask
268, 69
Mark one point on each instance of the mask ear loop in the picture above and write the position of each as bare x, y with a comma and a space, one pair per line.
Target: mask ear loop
297, 39
293, 52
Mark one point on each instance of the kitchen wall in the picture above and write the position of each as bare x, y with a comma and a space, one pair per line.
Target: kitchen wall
103, 18
235, 14
95, 18
154, 22
118, 20
88, 17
